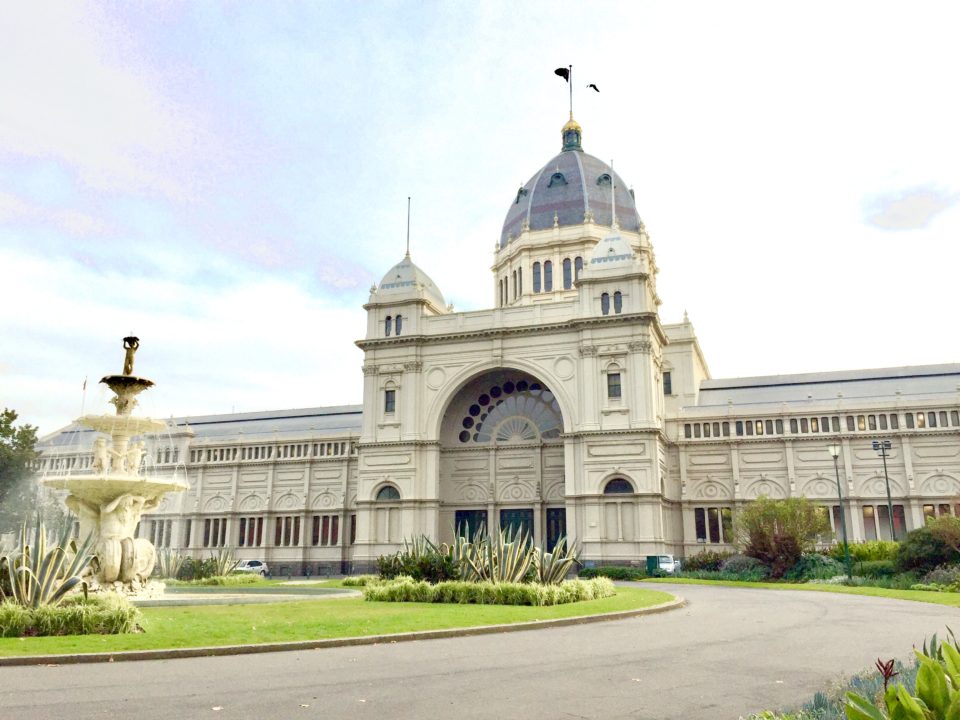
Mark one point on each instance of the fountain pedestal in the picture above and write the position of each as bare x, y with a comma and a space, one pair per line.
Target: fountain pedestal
110, 499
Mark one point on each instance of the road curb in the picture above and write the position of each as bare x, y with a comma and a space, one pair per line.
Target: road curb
173, 653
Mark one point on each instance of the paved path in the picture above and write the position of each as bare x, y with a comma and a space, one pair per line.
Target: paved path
731, 651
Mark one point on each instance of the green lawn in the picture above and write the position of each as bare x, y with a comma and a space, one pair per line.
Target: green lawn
199, 626
937, 598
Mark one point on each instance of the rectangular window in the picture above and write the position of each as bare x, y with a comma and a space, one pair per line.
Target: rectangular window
929, 513
835, 424
921, 420
713, 515
716, 429
883, 422
334, 529
894, 422
613, 385
242, 540
739, 428
943, 510
706, 430
567, 274
667, 383
883, 522
779, 427
850, 426
861, 422
804, 425
869, 524
769, 427
187, 528
206, 533
824, 424
315, 531
814, 425
726, 429
687, 431
700, 519
749, 427
837, 522
325, 533
931, 419
954, 418
726, 524
793, 425
696, 430
872, 422
353, 529
389, 401
909, 418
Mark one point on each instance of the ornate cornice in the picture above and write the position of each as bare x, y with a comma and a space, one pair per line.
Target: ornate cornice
502, 332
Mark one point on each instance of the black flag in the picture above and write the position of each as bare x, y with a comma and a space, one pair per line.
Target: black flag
591, 85
563, 72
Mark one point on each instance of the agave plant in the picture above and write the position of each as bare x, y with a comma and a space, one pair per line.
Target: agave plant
41, 573
552, 567
169, 563
223, 561
507, 558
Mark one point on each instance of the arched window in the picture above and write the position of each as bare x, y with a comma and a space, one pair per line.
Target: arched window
388, 325
617, 307
399, 323
567, 274
536, 277
548, 276
514, 284
388, 493
605, 303
617, 486
166, 455
577, 267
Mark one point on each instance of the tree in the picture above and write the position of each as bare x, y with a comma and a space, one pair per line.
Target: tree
778, 532
18, 486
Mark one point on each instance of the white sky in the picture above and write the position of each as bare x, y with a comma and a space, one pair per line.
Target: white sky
227, 180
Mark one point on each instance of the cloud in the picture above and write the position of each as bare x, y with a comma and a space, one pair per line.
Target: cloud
908, 209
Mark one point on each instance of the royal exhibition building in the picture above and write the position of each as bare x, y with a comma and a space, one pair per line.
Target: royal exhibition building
569, 408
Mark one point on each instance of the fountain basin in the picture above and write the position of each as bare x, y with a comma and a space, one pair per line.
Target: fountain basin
102, 489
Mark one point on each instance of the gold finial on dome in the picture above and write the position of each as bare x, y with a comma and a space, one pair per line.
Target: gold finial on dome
572, 133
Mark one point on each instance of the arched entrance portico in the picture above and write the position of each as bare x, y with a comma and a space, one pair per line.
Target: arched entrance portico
502, 458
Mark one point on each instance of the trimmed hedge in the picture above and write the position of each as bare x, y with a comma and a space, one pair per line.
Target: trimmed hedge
406, 589
614, 572
99, 615
360, 580
225, 580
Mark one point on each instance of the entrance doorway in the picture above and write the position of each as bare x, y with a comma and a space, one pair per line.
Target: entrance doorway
556, 527
515, 522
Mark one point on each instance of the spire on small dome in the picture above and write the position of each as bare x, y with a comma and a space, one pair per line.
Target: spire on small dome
572, 134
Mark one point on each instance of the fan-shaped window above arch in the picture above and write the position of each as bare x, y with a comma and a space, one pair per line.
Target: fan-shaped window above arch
618, 486
557, 179
512, 411
388, 493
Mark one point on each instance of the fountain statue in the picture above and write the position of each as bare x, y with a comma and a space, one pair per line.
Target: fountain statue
110, 498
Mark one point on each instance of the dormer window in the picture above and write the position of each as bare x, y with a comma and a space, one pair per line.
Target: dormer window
605, 179
522, 192
557, 179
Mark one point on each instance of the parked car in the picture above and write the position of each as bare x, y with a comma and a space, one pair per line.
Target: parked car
252, 566
668, 564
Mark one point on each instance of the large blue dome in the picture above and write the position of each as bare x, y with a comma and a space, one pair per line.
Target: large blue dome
570, 188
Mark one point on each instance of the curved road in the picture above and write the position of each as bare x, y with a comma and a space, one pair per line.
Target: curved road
730, 652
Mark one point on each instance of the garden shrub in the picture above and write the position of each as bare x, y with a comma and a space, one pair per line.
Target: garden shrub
922, 551
943, 575
220, 580
707, 560
359, 580
875, 569
406, 589
105, 614
746, 566
778, 532
614, 572
432, 567
813, 566
869, 551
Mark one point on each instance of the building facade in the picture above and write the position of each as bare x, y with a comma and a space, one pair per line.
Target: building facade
567, 409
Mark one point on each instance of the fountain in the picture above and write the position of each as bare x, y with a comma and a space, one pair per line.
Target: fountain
110, 498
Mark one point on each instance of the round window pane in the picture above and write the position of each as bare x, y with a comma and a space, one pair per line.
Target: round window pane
464, 436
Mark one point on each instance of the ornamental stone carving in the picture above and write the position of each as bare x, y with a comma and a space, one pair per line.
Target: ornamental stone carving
415, 366
643, 346
370, 369
588, 351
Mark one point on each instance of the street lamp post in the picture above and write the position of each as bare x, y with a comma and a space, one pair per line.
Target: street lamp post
834, 450
881, 446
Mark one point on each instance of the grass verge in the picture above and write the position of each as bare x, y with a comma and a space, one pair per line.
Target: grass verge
936, 598
211, 625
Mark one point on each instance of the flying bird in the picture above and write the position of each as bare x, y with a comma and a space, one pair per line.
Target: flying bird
591, 85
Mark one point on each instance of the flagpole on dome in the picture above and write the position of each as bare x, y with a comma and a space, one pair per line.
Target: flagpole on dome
613, 199
408, 226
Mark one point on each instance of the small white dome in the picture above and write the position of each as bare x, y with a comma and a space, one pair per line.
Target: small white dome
405, 280
612, 253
